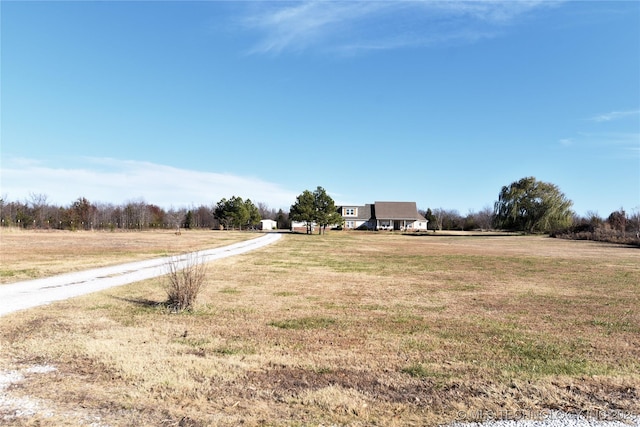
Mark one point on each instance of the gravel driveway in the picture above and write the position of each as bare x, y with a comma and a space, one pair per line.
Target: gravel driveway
563, 419
32, 293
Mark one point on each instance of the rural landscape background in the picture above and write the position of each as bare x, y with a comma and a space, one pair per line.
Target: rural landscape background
145, 129
527, 205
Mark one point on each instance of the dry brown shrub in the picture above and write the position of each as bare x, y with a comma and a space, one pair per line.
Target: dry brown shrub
185, 278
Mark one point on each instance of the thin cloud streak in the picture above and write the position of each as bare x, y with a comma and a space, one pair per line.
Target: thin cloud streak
345, 26
615, 115
305, 24
116, 181
566, 142
623, 145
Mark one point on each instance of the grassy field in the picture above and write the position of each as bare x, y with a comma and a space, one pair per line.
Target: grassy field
345, 329
28, 254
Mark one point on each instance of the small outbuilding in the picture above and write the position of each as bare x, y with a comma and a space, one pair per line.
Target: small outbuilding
268, 224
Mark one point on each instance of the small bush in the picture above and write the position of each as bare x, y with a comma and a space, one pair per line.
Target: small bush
185, 279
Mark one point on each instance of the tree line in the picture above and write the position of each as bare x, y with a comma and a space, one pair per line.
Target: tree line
533, 206
37, 213
526, 205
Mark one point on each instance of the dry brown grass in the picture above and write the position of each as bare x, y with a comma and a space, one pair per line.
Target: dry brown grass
29, 254
347, 329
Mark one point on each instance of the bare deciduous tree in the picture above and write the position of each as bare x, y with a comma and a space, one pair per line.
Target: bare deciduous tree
484, 218
38, 204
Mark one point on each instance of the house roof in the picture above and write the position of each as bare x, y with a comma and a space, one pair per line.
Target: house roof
362, 212
397, 210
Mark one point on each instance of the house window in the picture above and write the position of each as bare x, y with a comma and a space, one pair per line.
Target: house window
348, 224
349, 212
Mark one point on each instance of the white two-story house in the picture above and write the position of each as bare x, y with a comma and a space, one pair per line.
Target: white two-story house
402, 216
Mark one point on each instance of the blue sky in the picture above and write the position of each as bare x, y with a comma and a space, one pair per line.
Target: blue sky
442, 103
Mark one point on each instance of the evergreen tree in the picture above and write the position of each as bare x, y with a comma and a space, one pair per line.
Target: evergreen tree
188, 220
236, 212
326, 211
303, 209
317, 207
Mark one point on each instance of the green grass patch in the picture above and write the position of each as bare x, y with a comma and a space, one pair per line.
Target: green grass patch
417, 344
304, 323
105, 306
322, 370
7, 273
284, 294
29, 272
615, 326
542, 355
405, 323
233, 350
464, 287
193, 342
420, 370
227, 351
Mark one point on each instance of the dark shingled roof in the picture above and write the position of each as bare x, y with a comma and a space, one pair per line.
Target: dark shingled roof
364, 212
397, 210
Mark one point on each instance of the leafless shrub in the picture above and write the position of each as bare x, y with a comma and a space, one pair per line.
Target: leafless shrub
598, 234
185, 278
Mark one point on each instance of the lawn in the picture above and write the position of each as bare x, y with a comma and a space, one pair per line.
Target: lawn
32, 254
346, 329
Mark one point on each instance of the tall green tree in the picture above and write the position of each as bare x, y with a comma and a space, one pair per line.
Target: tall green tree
253, 214
315, 207
532, 206
188, 220
303, 209
282, 219
430, 217
326, 211
236, 212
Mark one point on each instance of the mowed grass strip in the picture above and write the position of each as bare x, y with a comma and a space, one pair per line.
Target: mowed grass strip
32, 254
348, 329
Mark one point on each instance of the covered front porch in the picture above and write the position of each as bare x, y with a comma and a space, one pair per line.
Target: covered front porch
395, 224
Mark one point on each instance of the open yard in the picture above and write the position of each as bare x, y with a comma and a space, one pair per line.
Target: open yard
342, 329
27, 254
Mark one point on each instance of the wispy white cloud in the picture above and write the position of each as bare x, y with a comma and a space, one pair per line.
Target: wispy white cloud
615, 115
116, 181
296, 27
566, 142
360, 25
623, 145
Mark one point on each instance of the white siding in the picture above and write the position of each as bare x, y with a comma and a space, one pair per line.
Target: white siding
268, 224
